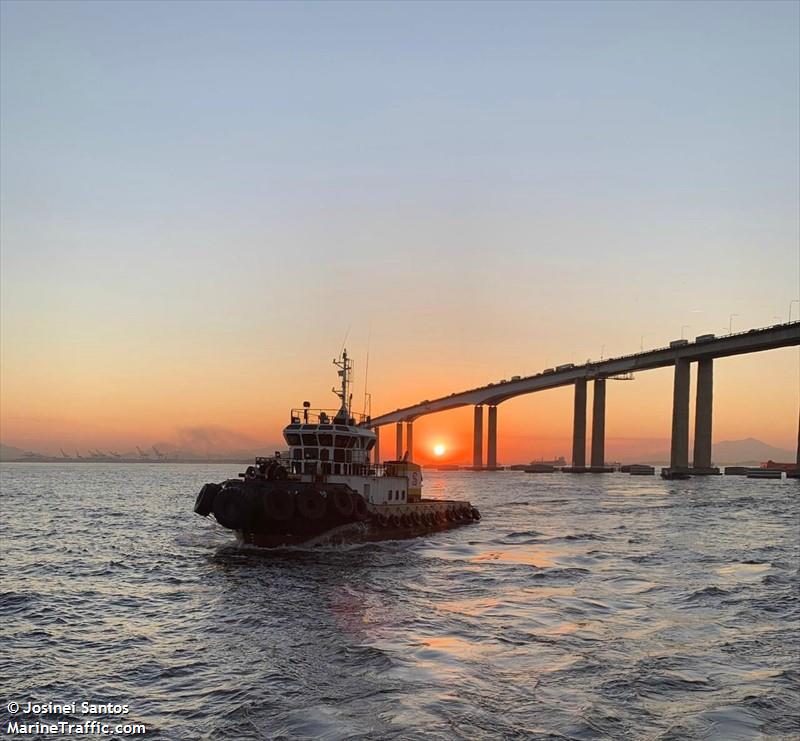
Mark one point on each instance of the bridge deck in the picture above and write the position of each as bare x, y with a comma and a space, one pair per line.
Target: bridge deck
754, 340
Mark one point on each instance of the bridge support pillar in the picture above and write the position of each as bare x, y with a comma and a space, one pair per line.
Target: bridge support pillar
679, 452
477, 438
598, 461
701, 460
376, 450
410, 440
399, 439
491, 448
796, 473
579, 426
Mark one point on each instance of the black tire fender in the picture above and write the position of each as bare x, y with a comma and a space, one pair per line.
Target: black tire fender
278, 505
229, 508
311, 505
342, 502
360, 509
204, 504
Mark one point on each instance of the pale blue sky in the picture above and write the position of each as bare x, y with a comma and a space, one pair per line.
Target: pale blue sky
177, 175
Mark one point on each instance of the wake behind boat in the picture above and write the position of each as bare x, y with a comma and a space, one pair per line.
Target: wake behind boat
328, 489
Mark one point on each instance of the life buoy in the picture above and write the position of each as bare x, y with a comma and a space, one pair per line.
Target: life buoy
204, 503
278, 504
250, 472
311, 504
342, 502
360, 509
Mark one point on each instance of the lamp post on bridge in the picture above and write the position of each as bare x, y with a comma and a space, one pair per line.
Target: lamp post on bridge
730, 323
685, 326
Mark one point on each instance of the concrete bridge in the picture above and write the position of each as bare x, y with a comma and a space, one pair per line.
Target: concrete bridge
680, 354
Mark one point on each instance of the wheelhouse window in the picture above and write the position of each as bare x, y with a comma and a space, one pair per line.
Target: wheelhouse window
310, 454
326, 440
309, 439
292, 438
338, 455
342, 441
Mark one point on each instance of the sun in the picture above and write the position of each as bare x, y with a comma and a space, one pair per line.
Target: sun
439, 449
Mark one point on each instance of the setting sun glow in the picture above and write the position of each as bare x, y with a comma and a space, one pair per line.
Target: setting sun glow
438, 449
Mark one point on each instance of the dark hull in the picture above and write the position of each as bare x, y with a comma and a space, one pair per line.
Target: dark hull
362, 532
274, 514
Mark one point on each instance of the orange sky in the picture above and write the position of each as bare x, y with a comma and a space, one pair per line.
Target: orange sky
111, 401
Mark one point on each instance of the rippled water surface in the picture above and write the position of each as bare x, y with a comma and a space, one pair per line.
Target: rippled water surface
595, 606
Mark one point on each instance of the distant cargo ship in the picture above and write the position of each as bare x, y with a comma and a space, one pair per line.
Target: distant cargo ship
779, 466
560, 461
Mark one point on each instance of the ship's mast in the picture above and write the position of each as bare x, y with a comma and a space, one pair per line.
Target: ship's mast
345, 366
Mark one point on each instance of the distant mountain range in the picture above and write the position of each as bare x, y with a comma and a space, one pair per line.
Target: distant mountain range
747, 452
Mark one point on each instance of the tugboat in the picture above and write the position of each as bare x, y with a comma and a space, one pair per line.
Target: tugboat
328, 490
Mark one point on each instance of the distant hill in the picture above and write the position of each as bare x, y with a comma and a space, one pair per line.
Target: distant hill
749, 451
8, 453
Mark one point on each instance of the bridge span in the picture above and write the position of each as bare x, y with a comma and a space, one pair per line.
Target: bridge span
680, 354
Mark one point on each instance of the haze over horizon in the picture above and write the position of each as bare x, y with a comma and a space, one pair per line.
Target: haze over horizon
201, 201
